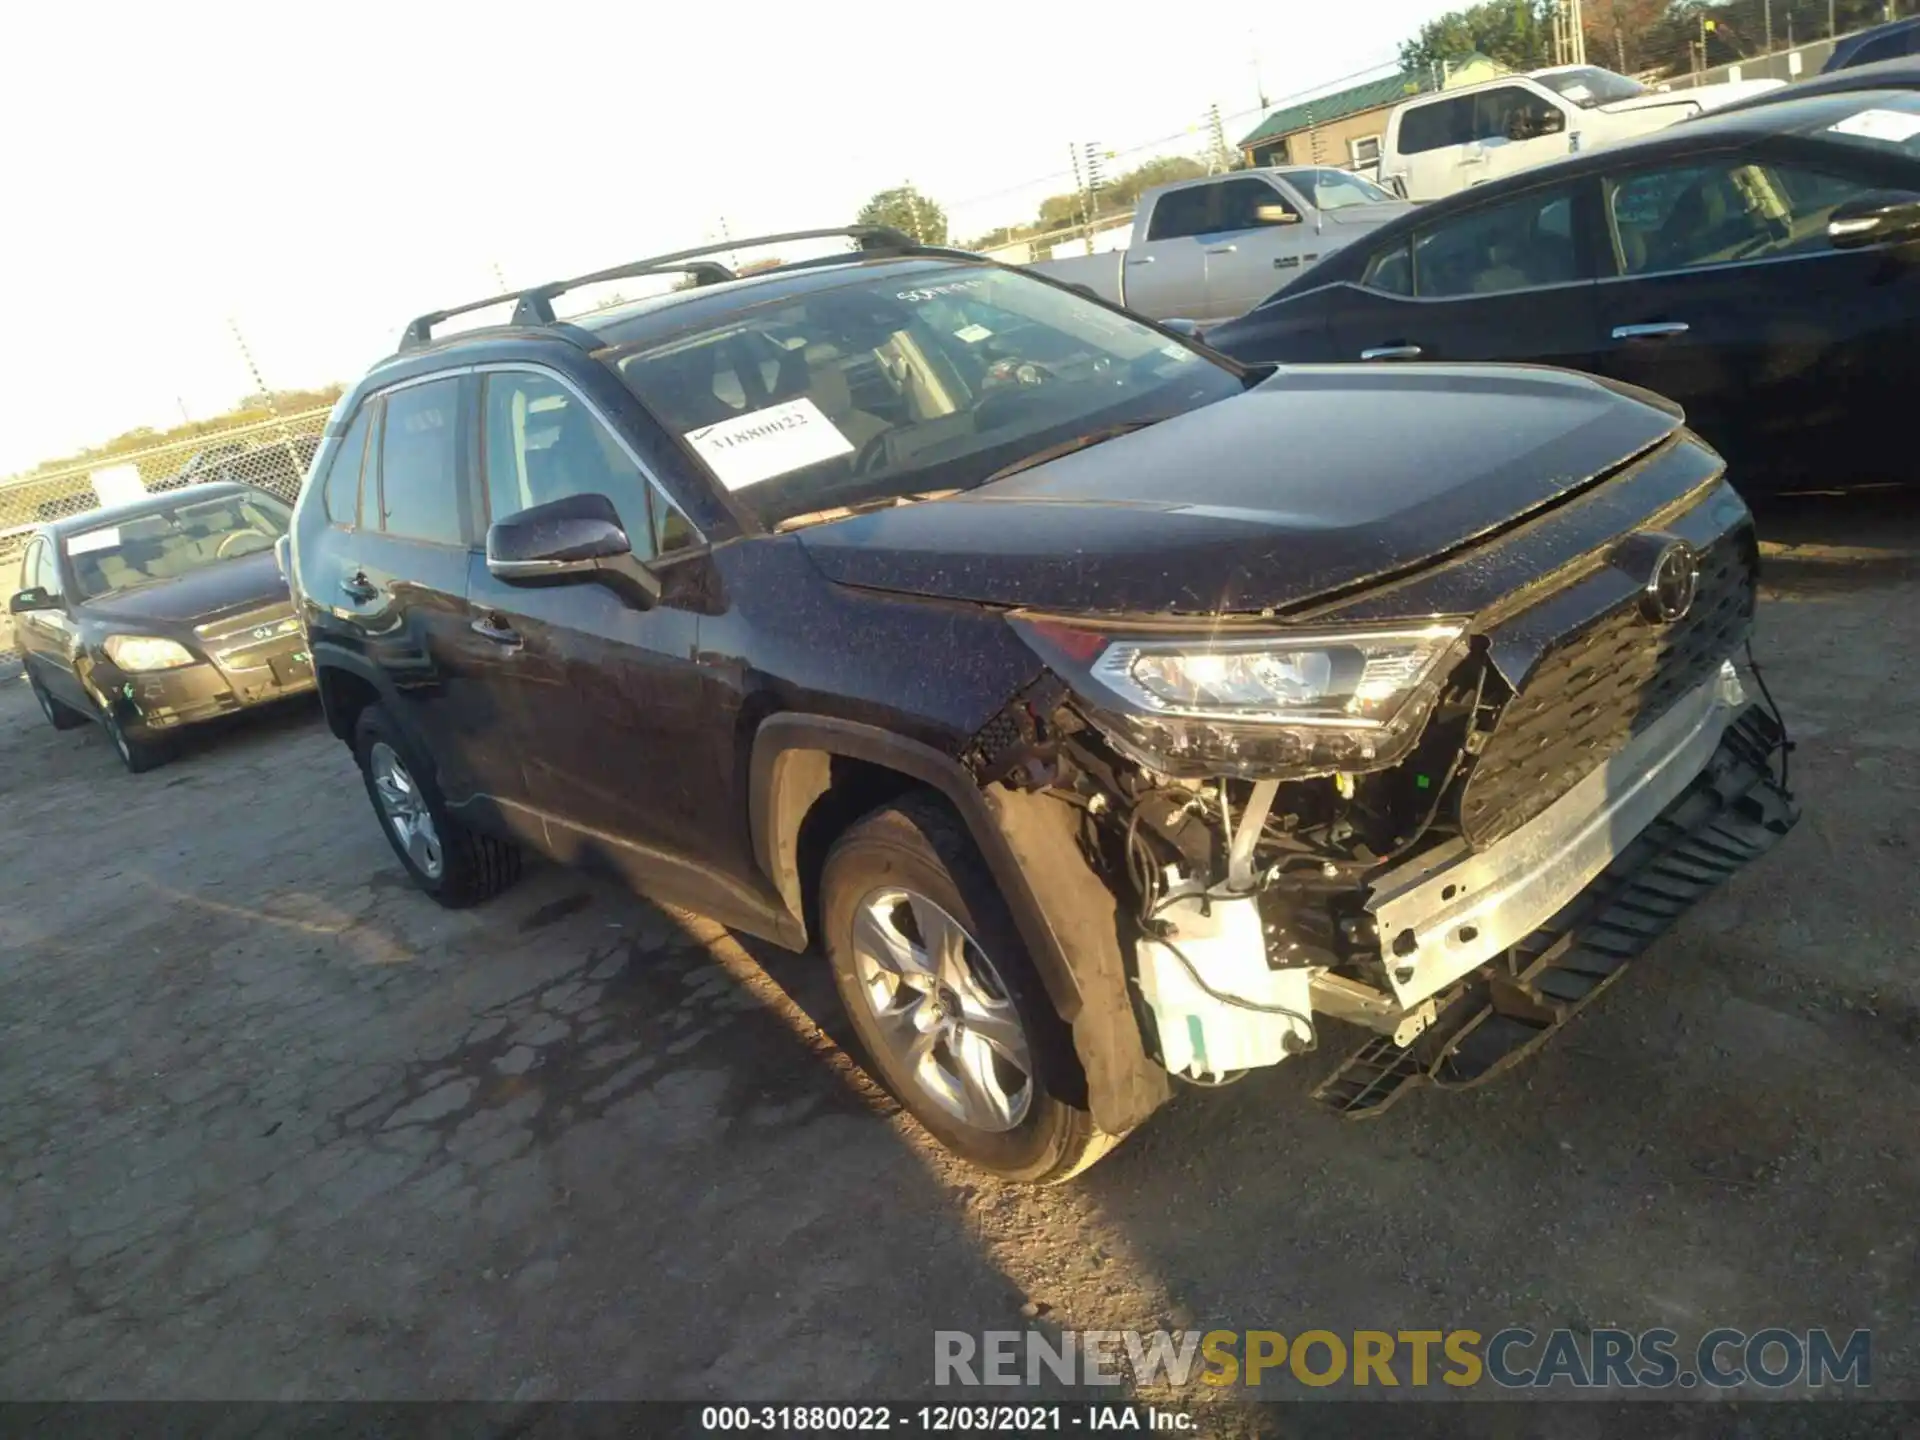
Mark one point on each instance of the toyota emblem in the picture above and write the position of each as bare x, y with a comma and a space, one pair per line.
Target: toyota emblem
1670, 588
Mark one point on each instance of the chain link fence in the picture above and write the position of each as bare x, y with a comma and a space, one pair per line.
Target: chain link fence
273, 454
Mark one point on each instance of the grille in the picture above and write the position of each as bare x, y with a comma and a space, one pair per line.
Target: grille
1599, 687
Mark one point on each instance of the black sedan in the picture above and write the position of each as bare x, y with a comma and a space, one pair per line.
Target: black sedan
1760, 268
158, 614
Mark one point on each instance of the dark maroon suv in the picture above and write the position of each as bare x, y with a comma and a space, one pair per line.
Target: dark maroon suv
1109, 713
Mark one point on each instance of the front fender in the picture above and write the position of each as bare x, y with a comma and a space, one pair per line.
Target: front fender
1066, 916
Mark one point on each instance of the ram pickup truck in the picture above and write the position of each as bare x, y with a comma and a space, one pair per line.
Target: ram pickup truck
1212, 249
1440, 144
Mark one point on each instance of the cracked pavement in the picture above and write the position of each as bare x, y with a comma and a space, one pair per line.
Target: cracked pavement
274, 1126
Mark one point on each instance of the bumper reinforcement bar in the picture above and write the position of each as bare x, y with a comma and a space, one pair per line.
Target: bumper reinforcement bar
1733, 811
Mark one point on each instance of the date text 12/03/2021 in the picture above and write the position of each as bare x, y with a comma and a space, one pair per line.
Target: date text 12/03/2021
946, 1419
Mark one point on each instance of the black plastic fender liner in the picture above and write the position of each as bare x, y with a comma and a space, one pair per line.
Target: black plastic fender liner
1066, 915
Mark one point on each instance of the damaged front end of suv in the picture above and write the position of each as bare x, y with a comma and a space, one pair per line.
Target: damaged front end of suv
1447, 809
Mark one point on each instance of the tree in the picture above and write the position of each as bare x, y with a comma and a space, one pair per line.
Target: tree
1517, 33
908, 211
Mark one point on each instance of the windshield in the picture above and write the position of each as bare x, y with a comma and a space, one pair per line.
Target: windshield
893, 384
167, 544
1588, 85
1337, 189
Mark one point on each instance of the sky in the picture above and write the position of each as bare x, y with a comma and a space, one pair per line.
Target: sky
316, 175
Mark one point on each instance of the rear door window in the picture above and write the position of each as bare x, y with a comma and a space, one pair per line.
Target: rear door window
1181, 213
340, 493
421, 493
1516, 245
1391, 271
1435, 126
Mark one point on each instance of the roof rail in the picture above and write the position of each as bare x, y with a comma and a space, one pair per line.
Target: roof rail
534, 305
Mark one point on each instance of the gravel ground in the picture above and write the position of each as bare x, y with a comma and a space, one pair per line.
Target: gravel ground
273, 1126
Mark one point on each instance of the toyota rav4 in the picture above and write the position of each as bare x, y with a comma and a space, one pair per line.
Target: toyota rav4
1107, 713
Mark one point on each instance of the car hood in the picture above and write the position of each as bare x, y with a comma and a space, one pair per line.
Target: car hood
1707, 97
227, 588
1318, 479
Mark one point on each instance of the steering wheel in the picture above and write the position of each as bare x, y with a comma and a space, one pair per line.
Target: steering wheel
220, 551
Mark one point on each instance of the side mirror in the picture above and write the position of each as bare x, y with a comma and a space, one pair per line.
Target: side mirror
566, 541
34, 597
1275, 215
1554, 123
1881, 217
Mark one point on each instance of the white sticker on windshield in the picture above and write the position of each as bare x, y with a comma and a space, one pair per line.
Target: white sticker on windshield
1177, 352
89, 540
1896, 126
973, 334
769, 442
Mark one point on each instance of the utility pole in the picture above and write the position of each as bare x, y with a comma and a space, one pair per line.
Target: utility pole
1217, 127
1579, 34
1080, 189
1768, 9
1833, 30
259, 385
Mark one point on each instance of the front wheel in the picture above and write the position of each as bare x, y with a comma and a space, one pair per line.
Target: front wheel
137, 755
946, 1004
456, 865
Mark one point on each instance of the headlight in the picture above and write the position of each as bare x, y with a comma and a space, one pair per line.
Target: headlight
146, 652
1260, 703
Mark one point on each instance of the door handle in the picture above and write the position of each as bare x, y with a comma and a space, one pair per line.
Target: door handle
1141, 260
1650, 332
494, 629
1393, 352
358, 587
1224, 250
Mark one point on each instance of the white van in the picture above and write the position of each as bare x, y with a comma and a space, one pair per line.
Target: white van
1449, 141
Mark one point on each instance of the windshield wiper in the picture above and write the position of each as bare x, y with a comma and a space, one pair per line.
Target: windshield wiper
858, 507
1067, 447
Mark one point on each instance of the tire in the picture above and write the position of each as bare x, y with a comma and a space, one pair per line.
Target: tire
60, 715
893, 879
456, 865
138, 756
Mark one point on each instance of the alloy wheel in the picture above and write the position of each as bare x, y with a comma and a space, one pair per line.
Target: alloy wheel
943, 1011
404, 808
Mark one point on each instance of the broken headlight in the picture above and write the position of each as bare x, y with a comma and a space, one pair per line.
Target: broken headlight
1254, 703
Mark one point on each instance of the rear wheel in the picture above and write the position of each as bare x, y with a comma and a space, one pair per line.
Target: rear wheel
946, 1003
456, 865
59, 715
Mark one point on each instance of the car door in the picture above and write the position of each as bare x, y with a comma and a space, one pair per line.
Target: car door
607, 705
1166, 274
401, 586
1790, 356
1261, 239
45, 637
1510, 280
1514, 128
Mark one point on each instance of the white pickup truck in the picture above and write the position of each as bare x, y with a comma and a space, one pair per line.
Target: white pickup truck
1452, 140
1212, 249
